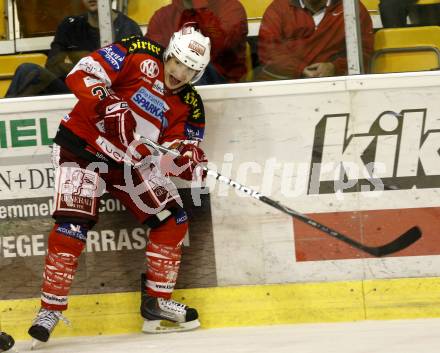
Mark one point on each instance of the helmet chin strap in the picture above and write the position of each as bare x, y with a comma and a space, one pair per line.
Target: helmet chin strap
198, 76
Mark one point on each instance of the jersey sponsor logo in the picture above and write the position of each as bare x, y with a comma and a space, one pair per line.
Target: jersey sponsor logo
90, 81
181, 216
197, 47
191, 98
398, 151
77, 191
116, 106
73, 231
161, 287
151, 104
159, 87
53, 299
109, 149
193, 132
145, 45
149, 68
165, 286
66, 118
113, 56
92, 67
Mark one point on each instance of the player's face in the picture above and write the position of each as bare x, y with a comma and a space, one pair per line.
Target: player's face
177, 74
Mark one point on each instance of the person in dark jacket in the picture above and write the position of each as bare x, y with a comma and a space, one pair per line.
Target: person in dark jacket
223, 21
76, 36
393, 13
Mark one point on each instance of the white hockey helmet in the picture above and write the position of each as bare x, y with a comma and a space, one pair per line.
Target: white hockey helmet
191, 48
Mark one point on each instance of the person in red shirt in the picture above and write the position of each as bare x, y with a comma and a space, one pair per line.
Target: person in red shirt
127, 91
306, 38
223, 21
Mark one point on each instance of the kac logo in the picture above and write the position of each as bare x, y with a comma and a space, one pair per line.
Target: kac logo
149, 68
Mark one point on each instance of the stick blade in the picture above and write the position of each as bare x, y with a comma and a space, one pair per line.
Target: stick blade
406, 239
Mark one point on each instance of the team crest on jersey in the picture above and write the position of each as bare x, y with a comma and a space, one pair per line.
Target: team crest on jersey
149, 68
158, 87
113, 56
151, 104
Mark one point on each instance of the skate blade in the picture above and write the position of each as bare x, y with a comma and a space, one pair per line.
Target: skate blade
36, 344
11, 350
165, 326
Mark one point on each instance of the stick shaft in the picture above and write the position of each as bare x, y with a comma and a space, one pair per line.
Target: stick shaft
403, 241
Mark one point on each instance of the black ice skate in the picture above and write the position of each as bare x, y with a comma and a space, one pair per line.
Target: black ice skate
44, 324
167, 315
6, 342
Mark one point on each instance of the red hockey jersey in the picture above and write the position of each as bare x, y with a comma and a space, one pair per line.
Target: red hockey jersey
132, 69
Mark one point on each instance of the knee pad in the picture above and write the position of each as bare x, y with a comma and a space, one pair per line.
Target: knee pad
172, 230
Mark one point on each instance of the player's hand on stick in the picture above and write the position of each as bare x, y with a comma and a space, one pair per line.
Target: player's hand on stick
188, 165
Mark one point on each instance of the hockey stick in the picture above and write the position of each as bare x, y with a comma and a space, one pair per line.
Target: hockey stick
400, 243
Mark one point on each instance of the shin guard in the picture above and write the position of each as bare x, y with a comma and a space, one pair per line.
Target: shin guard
163, 257
66, 242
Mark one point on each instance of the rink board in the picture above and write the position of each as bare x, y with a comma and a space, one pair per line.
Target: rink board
107, 314
325, 147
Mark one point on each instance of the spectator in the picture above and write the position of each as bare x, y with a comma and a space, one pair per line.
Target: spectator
306, 38
75, 37
393, 13
223, 21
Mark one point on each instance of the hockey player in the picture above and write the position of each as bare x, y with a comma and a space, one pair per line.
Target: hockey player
130, 89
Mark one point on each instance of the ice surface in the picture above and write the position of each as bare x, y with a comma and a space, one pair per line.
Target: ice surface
409, 336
